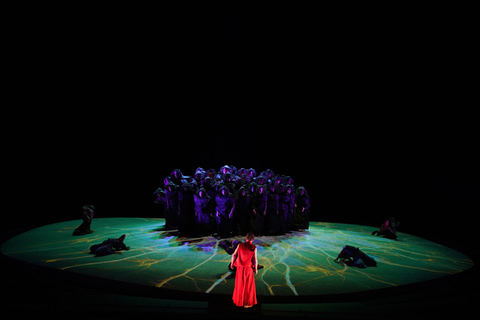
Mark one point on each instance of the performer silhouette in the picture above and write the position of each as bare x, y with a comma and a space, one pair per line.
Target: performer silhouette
244, 259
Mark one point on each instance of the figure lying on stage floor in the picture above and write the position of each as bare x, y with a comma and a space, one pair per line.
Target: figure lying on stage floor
229, 246
109, 246
388, 229
87, 217
354, 257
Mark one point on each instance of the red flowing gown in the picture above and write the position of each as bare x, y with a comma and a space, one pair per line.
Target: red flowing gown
244, 293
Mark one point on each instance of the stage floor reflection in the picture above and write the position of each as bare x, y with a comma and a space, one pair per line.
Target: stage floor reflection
296, 264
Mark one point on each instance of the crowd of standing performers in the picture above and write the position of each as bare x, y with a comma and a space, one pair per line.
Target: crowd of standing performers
232, 202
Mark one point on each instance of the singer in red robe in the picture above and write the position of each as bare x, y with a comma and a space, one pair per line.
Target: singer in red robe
244, 259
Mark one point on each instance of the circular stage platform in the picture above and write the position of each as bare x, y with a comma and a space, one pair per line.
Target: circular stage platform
295, 266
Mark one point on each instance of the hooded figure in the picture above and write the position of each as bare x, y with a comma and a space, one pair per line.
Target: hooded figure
388, 229
224, 212
290, 191
287, 180
355, 257
261, 180
209, 186
109, 246
203, 212
177, 177
199, 177
171, 206
271, 218
200, 169
166, 180
241, 172
225, 169
159, 196
259, 208
252, 173
252, 188
221, 173
301, 212
186, 209
269, 175
211, 173
87, 217
243, 211
283, 206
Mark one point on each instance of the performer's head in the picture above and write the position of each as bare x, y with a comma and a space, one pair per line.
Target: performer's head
225, 192
250, 237
88, 209
242, 192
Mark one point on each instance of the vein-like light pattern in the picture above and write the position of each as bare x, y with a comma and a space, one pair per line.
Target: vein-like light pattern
296, 264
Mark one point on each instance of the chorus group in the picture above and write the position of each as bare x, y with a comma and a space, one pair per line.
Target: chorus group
231, 202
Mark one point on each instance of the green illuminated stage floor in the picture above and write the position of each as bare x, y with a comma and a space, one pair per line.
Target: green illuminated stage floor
300, 263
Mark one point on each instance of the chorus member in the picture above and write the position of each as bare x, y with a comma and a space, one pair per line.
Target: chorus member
224, 212
301, 213
203, 212
259, 210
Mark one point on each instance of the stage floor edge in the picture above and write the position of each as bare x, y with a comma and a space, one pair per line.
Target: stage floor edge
297, 267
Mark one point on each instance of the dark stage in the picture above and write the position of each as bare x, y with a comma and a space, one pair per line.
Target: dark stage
352, 115
355, 185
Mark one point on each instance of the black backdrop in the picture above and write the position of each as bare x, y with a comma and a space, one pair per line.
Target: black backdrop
351, 114
432, 187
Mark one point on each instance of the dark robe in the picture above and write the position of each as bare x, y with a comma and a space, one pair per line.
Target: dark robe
271, 218
291, 207
160, 198
222, 212
259, 204
243, 211
178, 178
87, 217
352, 256
301, 212
261, 180
171, 207
209, 186
388, 229
108, 247
186, 210
284, 203
203, 213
